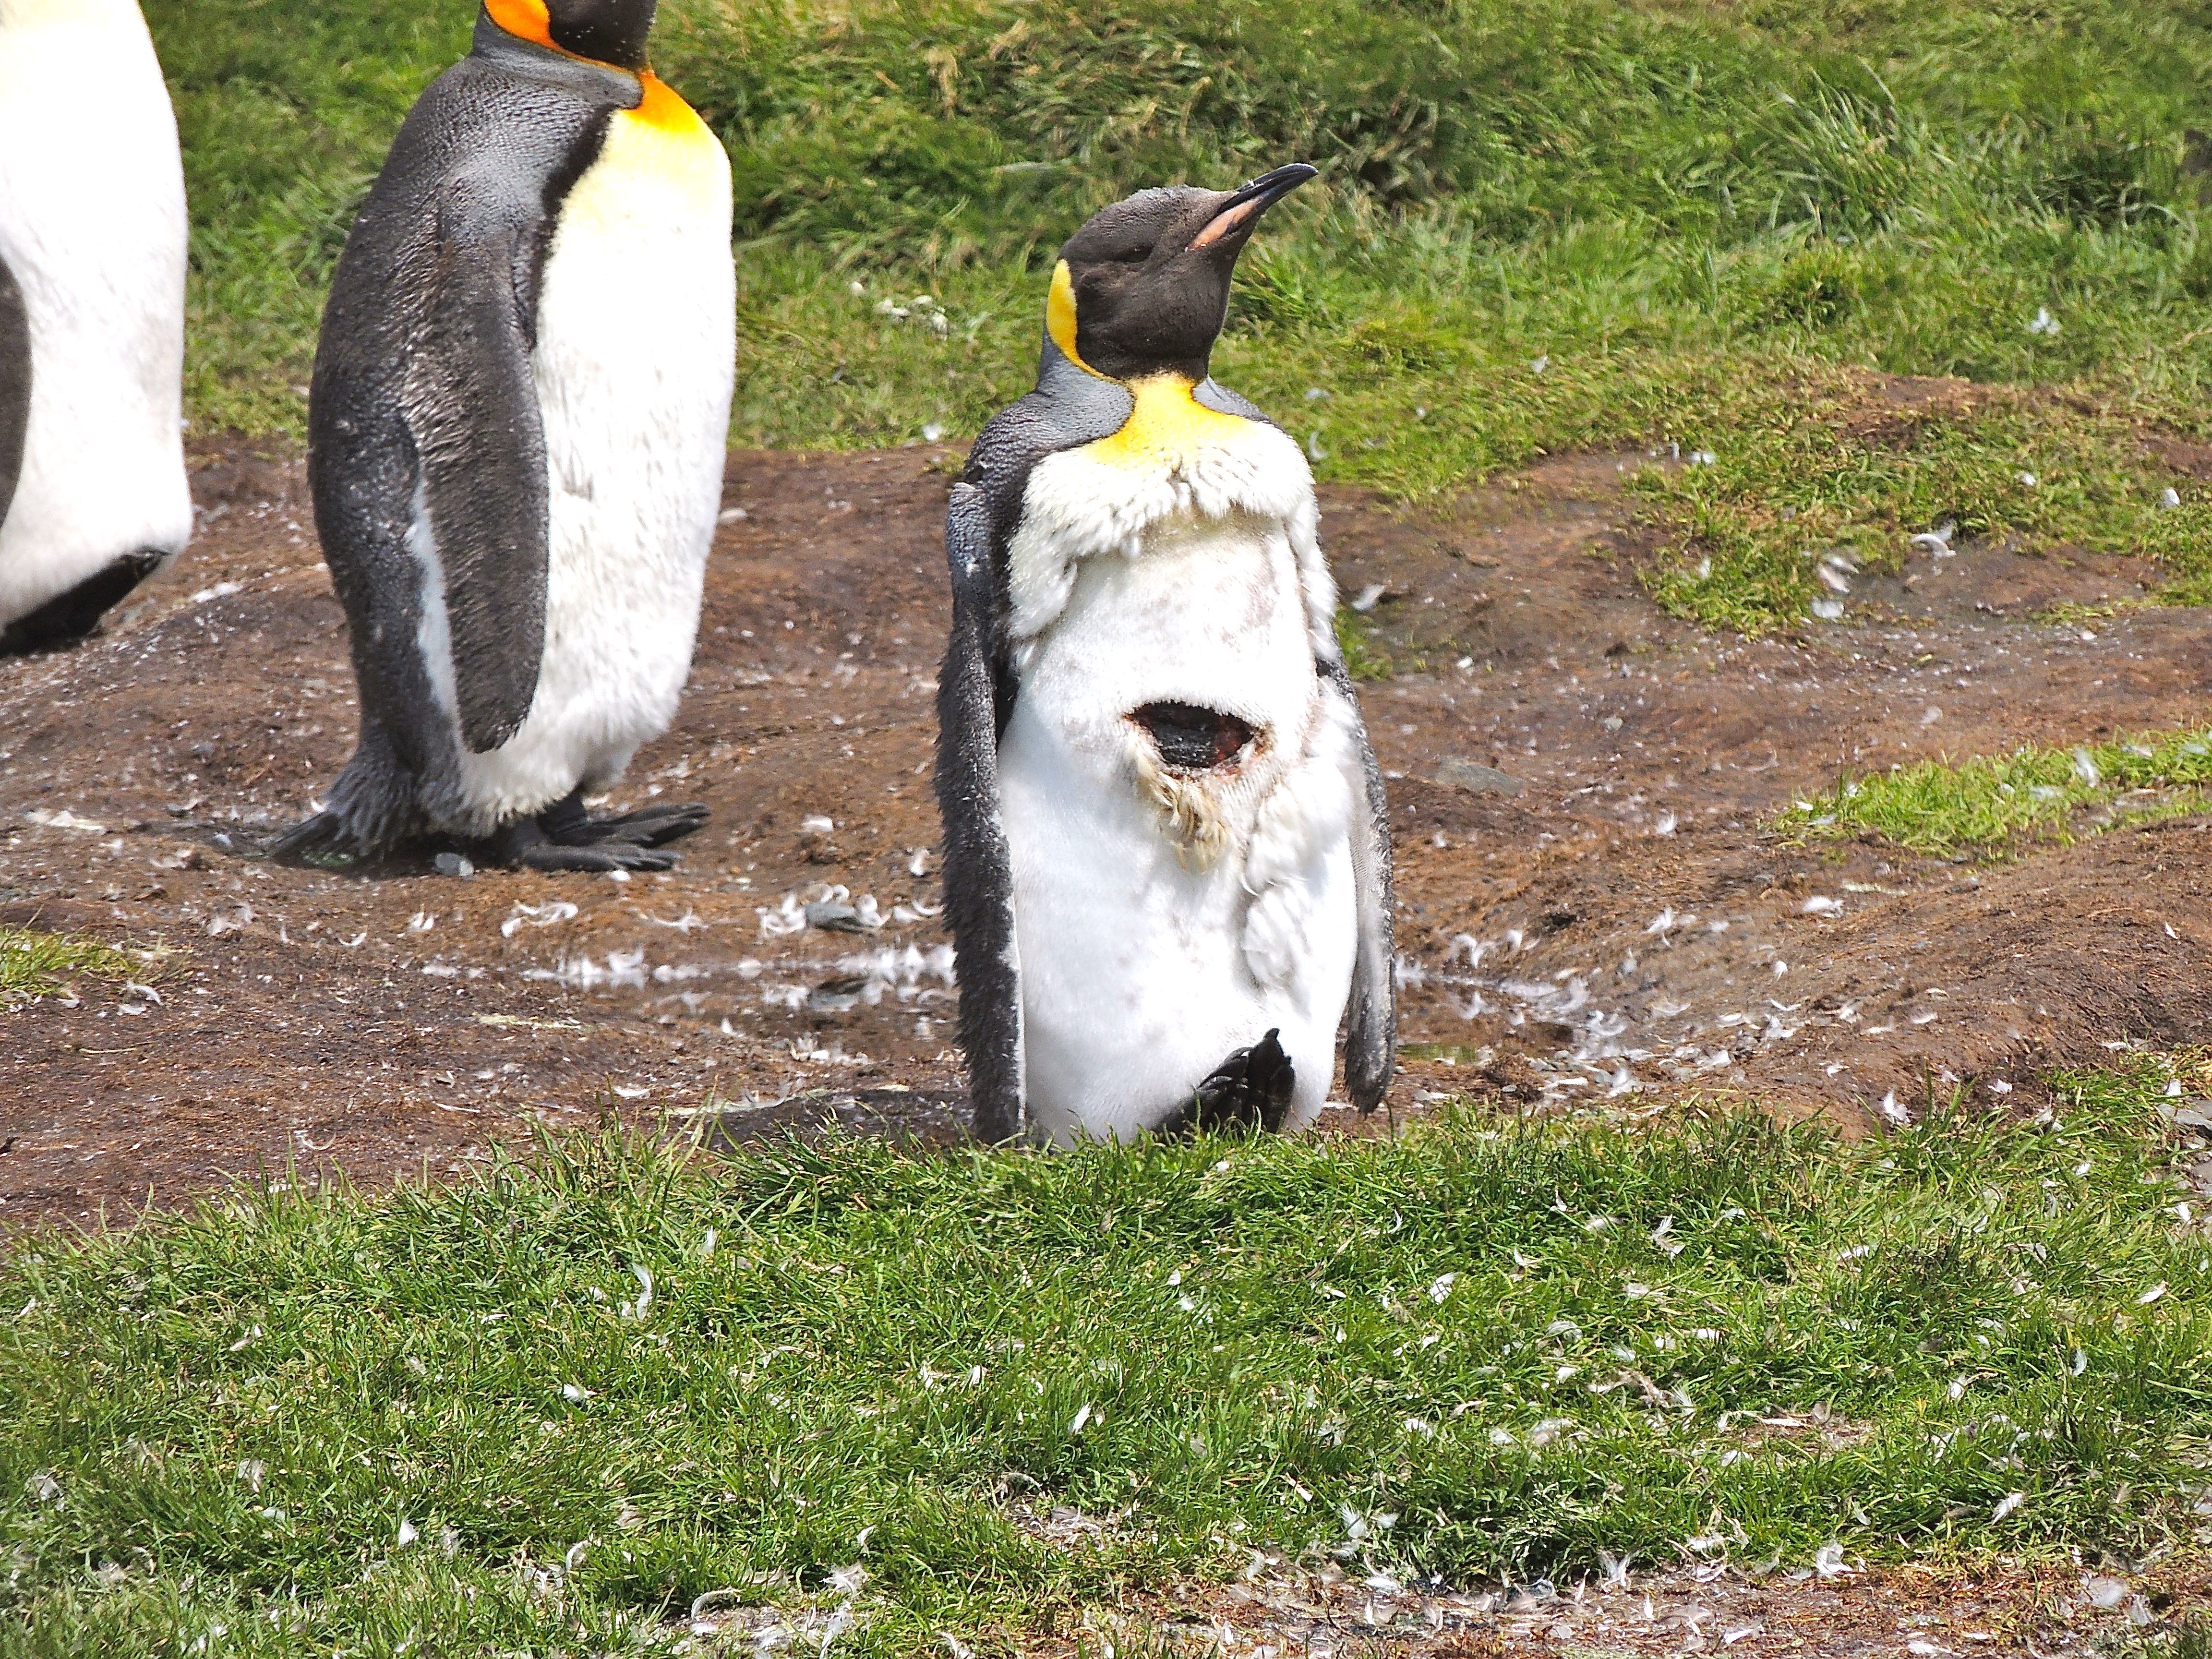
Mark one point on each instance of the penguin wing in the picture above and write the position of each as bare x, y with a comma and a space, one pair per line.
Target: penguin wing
14, 384
471, 407
1370, 1043
975, 692
978, 887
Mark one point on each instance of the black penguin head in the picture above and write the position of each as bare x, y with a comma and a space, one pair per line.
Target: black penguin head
604, 31
1143, 289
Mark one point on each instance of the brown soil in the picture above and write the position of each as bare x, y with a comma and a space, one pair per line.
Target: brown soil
1616, 925
1320, 1609
2005, 1606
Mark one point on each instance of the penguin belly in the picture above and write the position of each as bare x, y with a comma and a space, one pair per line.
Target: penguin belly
92, 228
1163, 918
634, 367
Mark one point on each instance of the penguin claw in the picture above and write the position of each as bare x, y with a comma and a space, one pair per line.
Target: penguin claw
1250, 1090
565, 823
651, 826
603, 855
314, 840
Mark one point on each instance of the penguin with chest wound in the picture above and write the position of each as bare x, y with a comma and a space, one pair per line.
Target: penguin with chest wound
93, 491
1167, 860
517, 426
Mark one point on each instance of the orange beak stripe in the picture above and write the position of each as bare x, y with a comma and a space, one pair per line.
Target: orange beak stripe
1231, 219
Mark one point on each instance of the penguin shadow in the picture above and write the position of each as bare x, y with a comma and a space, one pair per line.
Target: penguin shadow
921, 1119
1246, 1095
260, 843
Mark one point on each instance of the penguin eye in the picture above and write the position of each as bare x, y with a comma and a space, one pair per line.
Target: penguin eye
1132, 256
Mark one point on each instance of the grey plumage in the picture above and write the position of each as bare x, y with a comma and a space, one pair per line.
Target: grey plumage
14, 384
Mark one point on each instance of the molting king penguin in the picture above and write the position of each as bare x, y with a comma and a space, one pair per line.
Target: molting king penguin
93, 493
1167, 859
516, 433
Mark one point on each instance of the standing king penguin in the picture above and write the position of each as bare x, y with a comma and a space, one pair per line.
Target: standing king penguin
1167, 859
93, 493
516, 433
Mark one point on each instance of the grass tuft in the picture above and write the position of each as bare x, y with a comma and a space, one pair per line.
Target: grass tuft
1364, 659
1994, 805
1474, 1350
36, 965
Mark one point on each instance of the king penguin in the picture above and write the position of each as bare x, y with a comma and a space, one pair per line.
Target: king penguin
516, 431
1167, 859
93, 492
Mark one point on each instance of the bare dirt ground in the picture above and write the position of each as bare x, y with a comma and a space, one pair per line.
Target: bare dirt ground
1278, 1610
1605, 920
1281, 1609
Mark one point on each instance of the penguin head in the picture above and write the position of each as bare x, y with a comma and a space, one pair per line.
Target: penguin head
604, 31
1143, 289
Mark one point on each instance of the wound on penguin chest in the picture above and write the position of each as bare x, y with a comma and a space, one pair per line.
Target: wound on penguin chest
1191, 738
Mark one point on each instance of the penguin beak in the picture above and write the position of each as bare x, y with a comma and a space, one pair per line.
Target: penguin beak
1242, 210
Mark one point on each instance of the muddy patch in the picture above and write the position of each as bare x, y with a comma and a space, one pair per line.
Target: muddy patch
1589, 907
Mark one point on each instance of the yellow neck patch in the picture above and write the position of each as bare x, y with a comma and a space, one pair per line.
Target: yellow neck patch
1168, 428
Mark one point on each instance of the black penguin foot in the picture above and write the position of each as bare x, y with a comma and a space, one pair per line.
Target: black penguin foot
313, 840
1250, 1090
71, 616
567, 824
598, 856
564, 837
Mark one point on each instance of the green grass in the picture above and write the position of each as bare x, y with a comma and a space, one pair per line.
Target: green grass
1364, 659
1470, 1351
1995, 805
1696, 217
38, 964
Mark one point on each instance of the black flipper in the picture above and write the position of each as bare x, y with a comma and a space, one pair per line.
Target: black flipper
471, 405
14, 385
1250, 1089
1370, 1041
979, 893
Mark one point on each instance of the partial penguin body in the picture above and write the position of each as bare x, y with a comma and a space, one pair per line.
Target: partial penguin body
93, 488
1166, 849
518, 421
1166, 916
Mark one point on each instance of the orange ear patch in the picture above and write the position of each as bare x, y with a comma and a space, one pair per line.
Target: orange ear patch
527, 20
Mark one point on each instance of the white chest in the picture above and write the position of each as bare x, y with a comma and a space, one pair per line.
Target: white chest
636, 325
